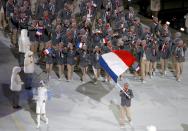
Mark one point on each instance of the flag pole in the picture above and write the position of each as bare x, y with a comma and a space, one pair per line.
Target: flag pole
122, 90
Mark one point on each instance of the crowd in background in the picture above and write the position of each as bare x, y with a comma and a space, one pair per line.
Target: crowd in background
56, 34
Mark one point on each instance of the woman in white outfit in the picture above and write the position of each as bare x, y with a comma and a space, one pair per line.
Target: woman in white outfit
24, 45
41, 103
16, 86
28, 69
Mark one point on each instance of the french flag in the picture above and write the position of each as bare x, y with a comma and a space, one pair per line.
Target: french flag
79, 45
47, 51
115, 63
104, 40
39, 31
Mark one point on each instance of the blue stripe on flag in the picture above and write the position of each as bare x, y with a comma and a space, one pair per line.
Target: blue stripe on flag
107, 69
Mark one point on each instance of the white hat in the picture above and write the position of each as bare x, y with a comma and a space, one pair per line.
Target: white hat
151, 128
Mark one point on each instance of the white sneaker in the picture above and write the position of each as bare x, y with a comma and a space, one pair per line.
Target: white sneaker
38, 126
46, 121
122, 126
143, 81
165, 73
151, 76
83, 82
130, 123
178, 80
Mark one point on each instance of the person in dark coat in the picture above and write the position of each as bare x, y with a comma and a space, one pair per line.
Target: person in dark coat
144, 55
180, 58
155, 26
32, 36
95, 63
9, 9
165, 53
61, 59
153, 58
56, 35
42, 6
84, 62
126, 95
50, 56
177, 38
14, 25
71, 61
138, 27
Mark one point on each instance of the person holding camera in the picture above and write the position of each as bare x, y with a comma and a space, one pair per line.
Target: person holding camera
179, 58
126, 95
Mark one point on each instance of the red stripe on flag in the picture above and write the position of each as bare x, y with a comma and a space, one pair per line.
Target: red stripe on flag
125, 56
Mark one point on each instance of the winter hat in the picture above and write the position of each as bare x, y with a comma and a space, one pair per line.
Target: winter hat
16, 69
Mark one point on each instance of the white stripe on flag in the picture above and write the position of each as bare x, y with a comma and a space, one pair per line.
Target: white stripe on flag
115, 63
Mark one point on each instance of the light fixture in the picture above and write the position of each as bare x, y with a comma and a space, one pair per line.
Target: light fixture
182, 29
168, 23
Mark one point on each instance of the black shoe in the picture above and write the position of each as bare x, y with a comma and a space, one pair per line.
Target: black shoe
28, 88
17, 107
